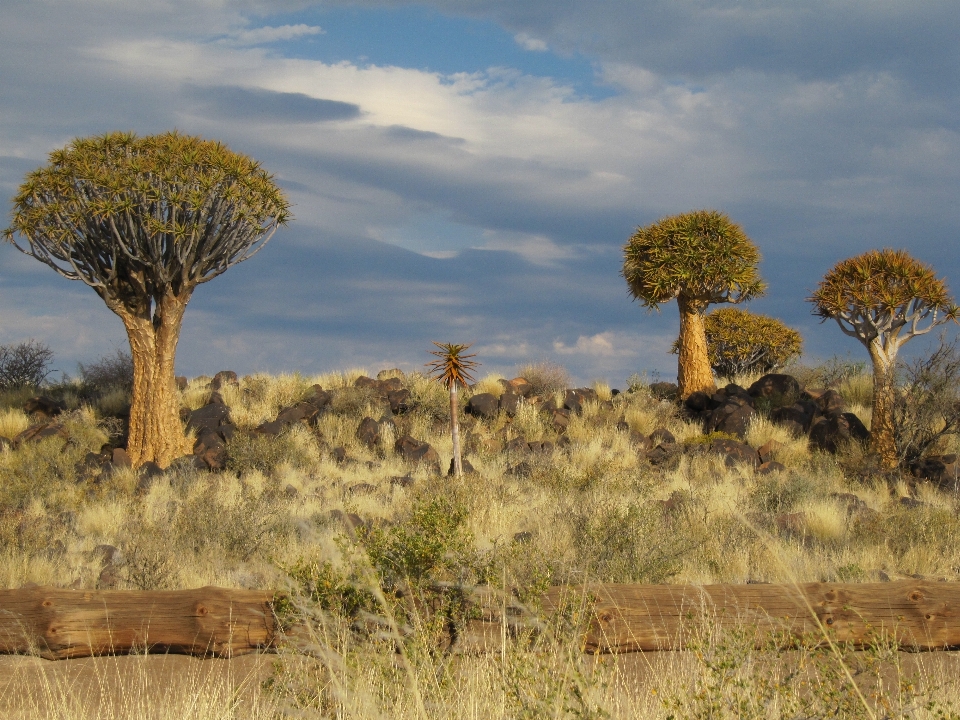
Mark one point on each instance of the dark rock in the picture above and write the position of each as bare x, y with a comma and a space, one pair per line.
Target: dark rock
209, 417
291, 492
318, 397
362, 489
768, 450
524, 537
662, 436
273, 427
483, 405
120, 458
640, 441
210, 448
399, 401
351, 521
778, 388
771, 466
416, 451
661, 453
215, 399
564, 441
792, 523
402, 480
735, 452
147, 475
854, 505
181, 382
39, 432
941, 470
517, 445
732, 390
623, 426
304, 412
522, 469
222, 378
369, 432
519, 386
574, 400
540, 446
389, 385
830, 432
366, 383
560, 420
465, 465
797, 417
43, 408
339, 454
912, 503
733, 417
697, 402
828, 402
510, 403
664, 390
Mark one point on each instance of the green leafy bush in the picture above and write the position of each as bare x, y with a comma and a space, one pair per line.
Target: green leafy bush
740, 342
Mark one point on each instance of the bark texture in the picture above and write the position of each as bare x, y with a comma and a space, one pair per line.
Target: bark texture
693, 365
155, 433
882, 439
455, 432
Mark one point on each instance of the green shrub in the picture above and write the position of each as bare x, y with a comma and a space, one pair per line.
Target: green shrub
741, 342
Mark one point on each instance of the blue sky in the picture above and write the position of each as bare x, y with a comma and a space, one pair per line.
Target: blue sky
468, 171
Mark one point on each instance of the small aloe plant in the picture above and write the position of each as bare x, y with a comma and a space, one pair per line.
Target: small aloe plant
453, 368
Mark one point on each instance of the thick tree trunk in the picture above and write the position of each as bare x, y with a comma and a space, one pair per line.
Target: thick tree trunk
455, 432
882, 440
156, 433
693, 366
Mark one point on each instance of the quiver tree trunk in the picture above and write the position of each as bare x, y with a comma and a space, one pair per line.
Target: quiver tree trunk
882, 439
693, 366
455, 433
156, 433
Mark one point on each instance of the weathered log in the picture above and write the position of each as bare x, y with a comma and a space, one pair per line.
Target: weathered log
916, 614
55, 623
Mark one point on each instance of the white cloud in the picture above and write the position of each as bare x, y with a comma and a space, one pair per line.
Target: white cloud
259, 36
605, 344
528, 42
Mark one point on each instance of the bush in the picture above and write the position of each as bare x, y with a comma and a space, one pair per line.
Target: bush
927, 401
546, 377
110, 371
26, 364
741, 342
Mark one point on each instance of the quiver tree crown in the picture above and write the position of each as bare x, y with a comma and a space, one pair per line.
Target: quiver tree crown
696, 258
143, 221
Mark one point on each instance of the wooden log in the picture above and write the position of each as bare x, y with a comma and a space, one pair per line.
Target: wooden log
917, 614
55, 623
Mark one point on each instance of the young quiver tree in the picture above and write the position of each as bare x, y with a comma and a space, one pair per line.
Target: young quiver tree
697, 258
740, 342
143, 221
451, 369
883, 298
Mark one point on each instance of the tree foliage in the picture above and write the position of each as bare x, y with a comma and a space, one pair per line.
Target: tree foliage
137, 217
25, 364
740, 342
874, 296
702, 255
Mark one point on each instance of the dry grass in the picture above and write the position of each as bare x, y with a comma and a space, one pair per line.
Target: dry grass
593, 509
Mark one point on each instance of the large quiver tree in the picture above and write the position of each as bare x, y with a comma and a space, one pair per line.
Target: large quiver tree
883, 298
698, 258
143, 221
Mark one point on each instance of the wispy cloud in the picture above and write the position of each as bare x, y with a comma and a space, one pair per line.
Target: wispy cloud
263, 35
528, 42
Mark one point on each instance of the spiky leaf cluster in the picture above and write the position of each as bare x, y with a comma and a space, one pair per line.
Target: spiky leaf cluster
452, 368
702, 255
739, 342
135, 217
882, 291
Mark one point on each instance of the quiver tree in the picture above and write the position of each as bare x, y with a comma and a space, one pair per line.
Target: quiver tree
883, 298
698, 258
143, 221
453, 368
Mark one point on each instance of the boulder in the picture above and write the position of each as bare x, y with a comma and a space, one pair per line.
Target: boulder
735, 452
120, 458
402, 480
797, 417
510, 403
732, 417
771, 466
574, 399
517, 445
301, 412
369, 432
828, 402
416, 451
43, 408
560, 419
181, 382
399, 401
830, 432
483, 405
768, 450
210, 417
211, 448
465, 466
366, 383
779, 389
698, 402
389, 384
318, 397
224, 377
519, 386
662, 436
940, 470
664, 390
661, 453
339, 454
39, 432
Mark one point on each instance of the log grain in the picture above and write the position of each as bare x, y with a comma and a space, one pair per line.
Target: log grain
55, 623
915, 614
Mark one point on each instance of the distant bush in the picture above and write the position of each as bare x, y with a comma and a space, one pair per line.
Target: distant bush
25, 364
741, 342
546, 377
110, 371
